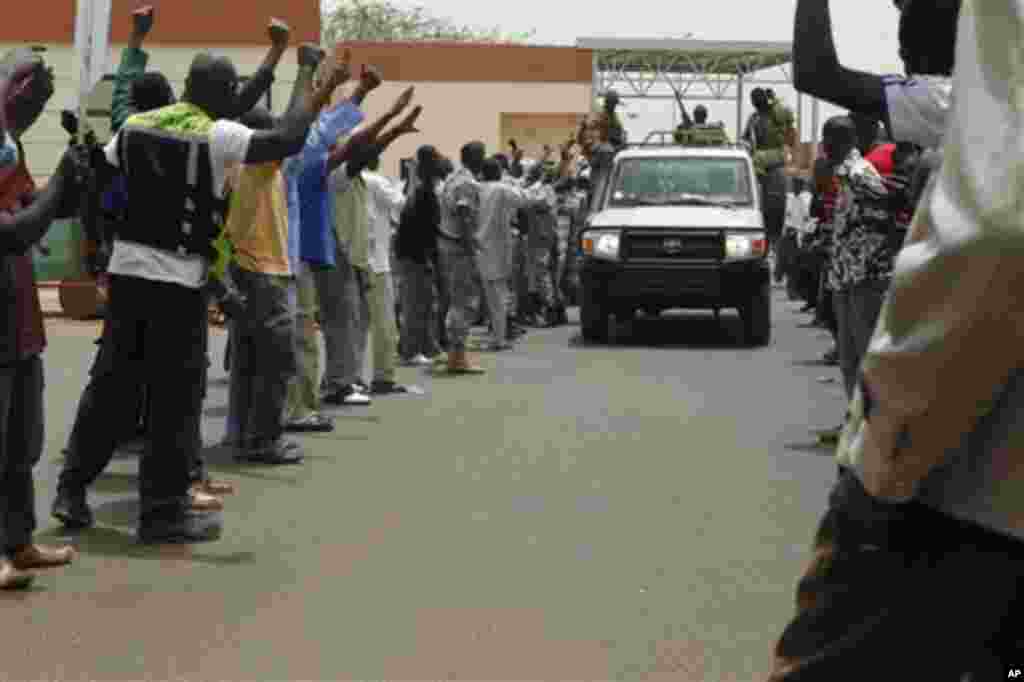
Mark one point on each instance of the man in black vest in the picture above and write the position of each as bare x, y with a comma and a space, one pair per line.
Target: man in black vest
175, 161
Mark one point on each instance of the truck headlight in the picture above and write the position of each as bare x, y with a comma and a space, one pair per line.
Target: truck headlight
602, 244
745, 245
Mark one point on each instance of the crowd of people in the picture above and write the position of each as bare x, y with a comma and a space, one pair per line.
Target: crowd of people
286, 224
903, 243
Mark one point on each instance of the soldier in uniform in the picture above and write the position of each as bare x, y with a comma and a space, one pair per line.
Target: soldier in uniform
770, 129
457, 250
698, 132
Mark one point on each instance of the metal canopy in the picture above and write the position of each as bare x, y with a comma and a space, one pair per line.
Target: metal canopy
664, 68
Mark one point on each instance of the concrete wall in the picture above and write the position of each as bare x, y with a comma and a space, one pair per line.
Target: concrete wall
46, 141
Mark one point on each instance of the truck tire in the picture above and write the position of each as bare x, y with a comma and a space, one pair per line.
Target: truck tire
757, 317
593, 318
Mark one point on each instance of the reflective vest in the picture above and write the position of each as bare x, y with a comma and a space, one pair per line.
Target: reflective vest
171, 204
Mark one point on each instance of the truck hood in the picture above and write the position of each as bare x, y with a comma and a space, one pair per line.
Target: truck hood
703, 217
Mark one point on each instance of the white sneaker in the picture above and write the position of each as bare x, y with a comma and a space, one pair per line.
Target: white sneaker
421, 360
357, 397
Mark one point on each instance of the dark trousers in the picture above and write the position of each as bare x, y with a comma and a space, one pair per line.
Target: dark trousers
263, 358
773, 203
21, 446
826, 310
857, 309
133, 401
903, 592
158, 335
442, 297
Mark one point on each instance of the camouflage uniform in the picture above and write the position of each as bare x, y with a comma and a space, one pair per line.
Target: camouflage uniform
701, 135
456, 253
542, 237
767, 133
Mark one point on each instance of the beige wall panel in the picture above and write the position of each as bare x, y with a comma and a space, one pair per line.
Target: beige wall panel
532, 131
456, 113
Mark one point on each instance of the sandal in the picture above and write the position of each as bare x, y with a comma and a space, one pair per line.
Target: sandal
314, 423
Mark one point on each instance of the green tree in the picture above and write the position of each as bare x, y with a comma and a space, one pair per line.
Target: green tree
387, 20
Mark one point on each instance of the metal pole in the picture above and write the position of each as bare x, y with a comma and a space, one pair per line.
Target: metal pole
815, 116
739, 105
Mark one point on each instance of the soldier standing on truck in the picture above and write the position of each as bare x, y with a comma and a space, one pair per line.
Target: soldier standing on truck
770, 129
697, 132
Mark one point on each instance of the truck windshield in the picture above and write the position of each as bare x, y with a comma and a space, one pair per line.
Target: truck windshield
690, 181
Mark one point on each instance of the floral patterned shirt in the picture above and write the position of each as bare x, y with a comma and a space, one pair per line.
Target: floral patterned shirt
862, 244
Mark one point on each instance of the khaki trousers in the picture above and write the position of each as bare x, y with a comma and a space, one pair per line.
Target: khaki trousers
383, 328
304, 389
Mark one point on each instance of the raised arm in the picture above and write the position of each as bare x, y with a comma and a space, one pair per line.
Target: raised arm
374, 149
257, 86
687, 121
368, 136
817, 71
132, 67
20, 231
289, 136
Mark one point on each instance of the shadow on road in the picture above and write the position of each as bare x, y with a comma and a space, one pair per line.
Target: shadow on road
690, 330
111, 542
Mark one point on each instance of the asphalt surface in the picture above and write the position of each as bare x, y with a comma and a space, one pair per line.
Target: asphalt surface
639, 510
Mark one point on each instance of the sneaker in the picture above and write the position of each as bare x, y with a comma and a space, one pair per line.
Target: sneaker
421, 360
347, 395
283, 452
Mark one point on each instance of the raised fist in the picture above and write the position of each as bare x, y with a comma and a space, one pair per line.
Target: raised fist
142, 20
279, 33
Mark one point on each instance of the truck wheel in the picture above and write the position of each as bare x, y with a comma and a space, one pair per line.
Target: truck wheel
593, 318
757, 317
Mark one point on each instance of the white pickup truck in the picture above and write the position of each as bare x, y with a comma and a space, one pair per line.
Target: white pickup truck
676, 227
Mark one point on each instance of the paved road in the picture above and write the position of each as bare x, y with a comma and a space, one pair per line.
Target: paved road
636, 511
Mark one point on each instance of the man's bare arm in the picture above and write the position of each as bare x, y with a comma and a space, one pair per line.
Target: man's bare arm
365, 154
817, 71
257, 86
368, 136
20, 231
289, 136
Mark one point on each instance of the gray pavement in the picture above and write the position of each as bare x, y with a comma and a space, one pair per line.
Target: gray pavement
632, 511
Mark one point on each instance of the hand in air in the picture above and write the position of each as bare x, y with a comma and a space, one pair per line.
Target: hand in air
279, 32
142, 21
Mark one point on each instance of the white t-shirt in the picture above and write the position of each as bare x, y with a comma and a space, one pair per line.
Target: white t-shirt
384, 201
229, 145
919, 108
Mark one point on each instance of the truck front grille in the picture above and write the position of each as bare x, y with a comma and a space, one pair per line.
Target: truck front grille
674, 245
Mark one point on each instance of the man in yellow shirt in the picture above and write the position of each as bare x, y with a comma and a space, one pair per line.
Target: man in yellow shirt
263, 339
